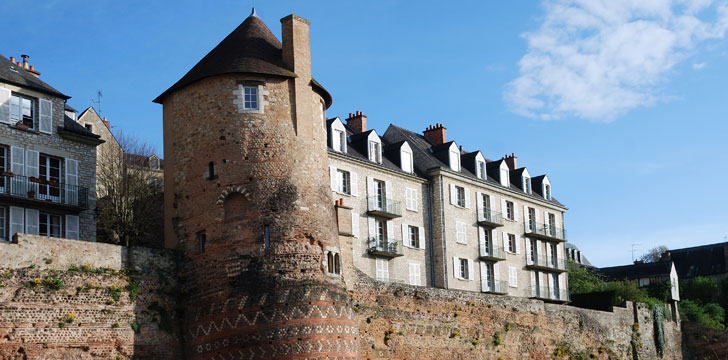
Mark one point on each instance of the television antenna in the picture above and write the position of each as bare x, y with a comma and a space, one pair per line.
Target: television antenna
97, 101
634, 247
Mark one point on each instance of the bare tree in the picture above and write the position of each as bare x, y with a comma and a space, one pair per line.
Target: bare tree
130, 194
654, 254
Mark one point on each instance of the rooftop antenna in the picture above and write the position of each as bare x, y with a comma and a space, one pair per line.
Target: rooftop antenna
97, 101
634, 247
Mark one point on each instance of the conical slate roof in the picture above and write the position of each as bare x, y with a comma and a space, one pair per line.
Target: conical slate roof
250, 48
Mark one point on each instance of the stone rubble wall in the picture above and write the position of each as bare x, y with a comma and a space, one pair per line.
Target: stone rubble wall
81, 319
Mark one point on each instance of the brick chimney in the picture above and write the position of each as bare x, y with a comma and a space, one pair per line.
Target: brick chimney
511, 161
296, 52
107, 123
436, 134
357, 122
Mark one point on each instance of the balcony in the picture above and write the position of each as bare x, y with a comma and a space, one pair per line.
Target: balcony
545, 231
494, 252
37, 191
496, 287
550, 295
539, 262
384, 247
490, 218
384, 207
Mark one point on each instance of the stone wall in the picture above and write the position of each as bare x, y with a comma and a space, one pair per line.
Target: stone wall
407, 322
68, 299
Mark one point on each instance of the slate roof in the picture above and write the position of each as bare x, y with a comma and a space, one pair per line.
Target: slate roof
250, 48
637, 271
72, 126
13, 74
584, 260
703, 260
68, 108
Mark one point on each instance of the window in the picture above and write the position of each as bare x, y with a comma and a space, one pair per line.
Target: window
461, 236
552, 224
480, 169
460, 196
414, 274
337, 263
411, 199
533, 249
485, 202
211, 175
3, 166
201, 241
413, 236
382, 270
512, 243
50, 225
464, 269
531, 219
3, 219
554, 256
375, 152
266, 236
512, 276
406, 160
22, 110
455, 160
510, 210
527, 185
381, 229
555, 288
250, 99
330, 262
343, 182
50, 171
486, 239
380, 190
89, 127
504, 177
339, 139
547, 192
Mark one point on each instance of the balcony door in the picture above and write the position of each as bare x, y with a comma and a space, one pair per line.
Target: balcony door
380, 189
554, 286
49, 171
532, 219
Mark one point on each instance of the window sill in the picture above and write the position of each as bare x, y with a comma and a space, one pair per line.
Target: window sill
459, 278
411, 210
460, 207
341, 193
33, 131
461, 243
412, 247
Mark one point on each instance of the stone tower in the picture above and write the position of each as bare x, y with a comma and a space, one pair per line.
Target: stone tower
247, 200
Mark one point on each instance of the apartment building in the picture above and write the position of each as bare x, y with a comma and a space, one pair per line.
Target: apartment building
426, 212
47, 160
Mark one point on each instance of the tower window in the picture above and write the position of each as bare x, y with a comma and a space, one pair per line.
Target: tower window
211, 175
266, 236
202, 241
250, 100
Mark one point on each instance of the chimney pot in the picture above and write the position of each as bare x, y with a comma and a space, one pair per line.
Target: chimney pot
20, 65
12, 59
25, 61
357, 122
512, 161
436, 134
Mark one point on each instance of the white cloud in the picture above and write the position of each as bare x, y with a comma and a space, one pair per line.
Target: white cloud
597, 59
698, 66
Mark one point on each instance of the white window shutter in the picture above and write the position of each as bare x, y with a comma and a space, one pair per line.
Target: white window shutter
528, 249
370, 187
405, 237
354, 179
339, 181
538, 248
471, 275
515, 276
5, 105
17, 220
504, 209
72, 227
478, 200
515, 211
17, 160
467, 198
534, 285
332, 176
548, 254
46, 116
481, 237
388, 190
456, 267
32, 158
372, 227
453, 197
551, 284
525, 214
484, 276
518, 244
390, 230
505, 241
422, 237
71, 181
32, 221
496, 273
355, 224
535, 217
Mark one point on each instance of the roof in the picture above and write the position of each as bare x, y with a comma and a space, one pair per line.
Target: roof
703, 260
584, 260
68, 108
16, 75
250, 48
71, 126
637, 271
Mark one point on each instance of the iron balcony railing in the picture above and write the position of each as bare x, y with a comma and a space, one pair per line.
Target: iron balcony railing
496, 287
492, 252
384, 247
383, 206
541, 261
544, 292
490, 217
544, 231
42, 189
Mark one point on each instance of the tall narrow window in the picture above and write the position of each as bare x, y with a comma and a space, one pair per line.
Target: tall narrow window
375, 152
527, 185
382, 270
454, 160
481, 169
339, 139
533, 249
344, 180
201, 241
485, 202
510, 210
50, 225
337, 264
504, 177
50, 171
381, 192
251, 97
413, 233
381, 230
532, 219
22, 110
464, 269
266, 235
3, 167
512, 243
554, 256
552, 224
211, 171
3, 219
330, 262
547, 192
406, 158
460, 193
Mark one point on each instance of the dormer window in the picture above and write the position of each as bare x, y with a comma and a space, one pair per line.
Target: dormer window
375, 152
339, 139
454, 160
480, 169
406, 159
527, 185
504, 177
547, 191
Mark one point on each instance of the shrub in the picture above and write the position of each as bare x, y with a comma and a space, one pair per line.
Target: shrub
135, 326
133, 289
703, 289
709, 315
54, 283
115, 292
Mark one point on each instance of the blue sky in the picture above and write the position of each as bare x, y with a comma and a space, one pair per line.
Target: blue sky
621, 102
